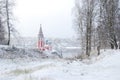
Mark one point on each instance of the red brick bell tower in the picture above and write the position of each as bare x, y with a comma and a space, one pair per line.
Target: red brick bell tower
41, 41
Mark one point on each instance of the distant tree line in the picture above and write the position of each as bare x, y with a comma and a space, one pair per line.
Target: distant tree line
6, 18
98, 24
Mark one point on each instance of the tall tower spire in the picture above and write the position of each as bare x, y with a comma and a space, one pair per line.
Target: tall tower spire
41, 32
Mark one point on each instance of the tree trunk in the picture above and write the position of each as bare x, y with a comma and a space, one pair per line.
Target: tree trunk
89, 26
98, 49
8, 24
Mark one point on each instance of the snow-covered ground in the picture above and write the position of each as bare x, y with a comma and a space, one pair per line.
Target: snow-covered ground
104, 67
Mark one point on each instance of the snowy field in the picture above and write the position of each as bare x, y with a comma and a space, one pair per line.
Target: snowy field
104, 67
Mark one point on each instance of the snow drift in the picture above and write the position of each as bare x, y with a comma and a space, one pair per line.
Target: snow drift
103, 67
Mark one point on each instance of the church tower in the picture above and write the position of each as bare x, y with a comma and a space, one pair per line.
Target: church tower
41, 42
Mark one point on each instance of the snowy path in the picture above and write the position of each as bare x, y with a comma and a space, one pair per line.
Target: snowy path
104, 67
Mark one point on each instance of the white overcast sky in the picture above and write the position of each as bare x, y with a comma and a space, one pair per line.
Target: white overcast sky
54, 15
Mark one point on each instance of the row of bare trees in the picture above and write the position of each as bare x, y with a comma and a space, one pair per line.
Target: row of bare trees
6, 7
98, 24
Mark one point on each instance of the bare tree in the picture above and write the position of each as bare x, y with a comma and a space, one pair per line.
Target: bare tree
2, 27
90, 7
79, 21
110, 10
117, 30
99, 28
98, 23
8, 6
8, 20
84, 19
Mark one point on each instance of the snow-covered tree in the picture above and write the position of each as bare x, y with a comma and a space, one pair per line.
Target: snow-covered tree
6, 18
2, 27
98, 24
84, 19
109, 19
